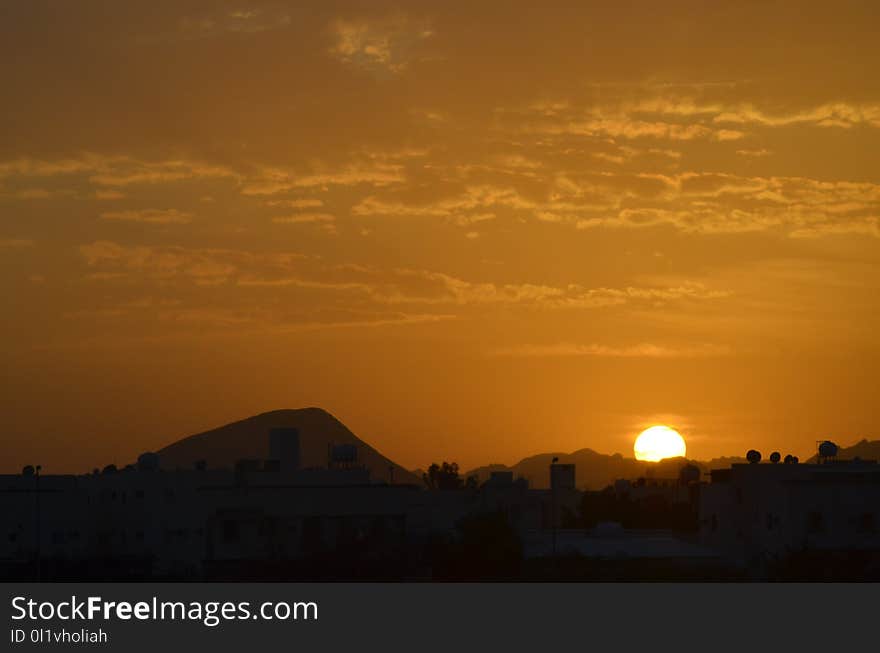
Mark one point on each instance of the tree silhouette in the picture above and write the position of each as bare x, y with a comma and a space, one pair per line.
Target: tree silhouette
443, 477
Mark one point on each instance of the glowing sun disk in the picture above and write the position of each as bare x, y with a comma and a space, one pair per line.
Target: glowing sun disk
659, 442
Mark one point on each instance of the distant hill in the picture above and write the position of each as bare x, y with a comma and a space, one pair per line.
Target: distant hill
594, 471
249, 438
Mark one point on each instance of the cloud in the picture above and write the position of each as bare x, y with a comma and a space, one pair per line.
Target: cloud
473, 198
250, 20
756, 153
829, 114
378, 45
644, 350
326, 221
365, 285
27, 167
629, 128
303, 203
109, 194
672, 117
440, 288
125, 172
114, 171
304, 218
691, 202
866, 227
201, 266
152, 216
305, 283
272, 181
832, 114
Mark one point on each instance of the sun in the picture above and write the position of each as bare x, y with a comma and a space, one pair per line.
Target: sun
659, 442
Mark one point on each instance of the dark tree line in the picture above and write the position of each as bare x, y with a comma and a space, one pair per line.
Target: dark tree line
445, 476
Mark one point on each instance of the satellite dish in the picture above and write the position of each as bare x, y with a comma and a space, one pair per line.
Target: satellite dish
775, 457
753, 456
827, 449
787, 459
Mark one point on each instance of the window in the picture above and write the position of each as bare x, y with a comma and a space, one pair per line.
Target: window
866, 523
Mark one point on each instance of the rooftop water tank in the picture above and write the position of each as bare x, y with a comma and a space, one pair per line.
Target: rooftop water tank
828, 449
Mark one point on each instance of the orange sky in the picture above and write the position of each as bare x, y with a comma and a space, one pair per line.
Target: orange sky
472, 231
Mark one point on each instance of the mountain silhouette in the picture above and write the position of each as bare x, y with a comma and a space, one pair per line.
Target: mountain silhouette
249, 438
594, 470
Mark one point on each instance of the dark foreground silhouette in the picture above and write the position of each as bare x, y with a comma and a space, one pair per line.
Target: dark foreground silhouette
290, 512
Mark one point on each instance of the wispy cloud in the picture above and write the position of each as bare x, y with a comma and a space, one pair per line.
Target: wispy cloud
304, 218
691, 202
832, 114
114, 171
755, 153
674, 117
302, 203
378, 45
643, 350
272, 181
201, 266
325, 221
244, 20
101, 194
153, 216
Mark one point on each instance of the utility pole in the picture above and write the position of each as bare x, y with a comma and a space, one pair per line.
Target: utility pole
553, 501
37, 519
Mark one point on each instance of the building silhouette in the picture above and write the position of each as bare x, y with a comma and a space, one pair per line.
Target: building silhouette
271, 518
